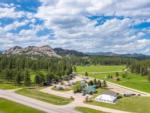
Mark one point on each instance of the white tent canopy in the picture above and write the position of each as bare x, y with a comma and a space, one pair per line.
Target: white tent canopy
106, 98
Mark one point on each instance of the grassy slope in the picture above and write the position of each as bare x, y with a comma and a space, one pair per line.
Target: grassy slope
132, 104
87, 110
7, 106
34, 93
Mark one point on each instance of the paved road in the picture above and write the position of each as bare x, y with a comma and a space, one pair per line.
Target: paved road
43, 106
49, 108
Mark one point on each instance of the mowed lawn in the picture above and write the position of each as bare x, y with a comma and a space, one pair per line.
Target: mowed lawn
132, 104
99, 68
7, 106
34, 93
87, 110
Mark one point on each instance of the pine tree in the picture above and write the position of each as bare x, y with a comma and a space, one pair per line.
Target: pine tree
37, 79
27, 79
86, 74
18, 78
104, 84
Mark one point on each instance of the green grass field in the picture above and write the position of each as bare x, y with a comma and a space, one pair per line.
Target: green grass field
7, 86
132, 80
131, 104
34, 93
87, 110
7, 106
99, 68
135, 81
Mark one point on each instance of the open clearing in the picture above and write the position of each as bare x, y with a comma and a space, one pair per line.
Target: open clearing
135, 81
7, 106
132, 80
99, 68
34, 93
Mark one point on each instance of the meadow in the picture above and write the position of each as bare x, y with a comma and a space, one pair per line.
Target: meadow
100, 68
7, 106
131, 80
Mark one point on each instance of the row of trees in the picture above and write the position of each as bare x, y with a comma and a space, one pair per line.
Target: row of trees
102, 60
141, 67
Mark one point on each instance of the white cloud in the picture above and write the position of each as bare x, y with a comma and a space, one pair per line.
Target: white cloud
73, 30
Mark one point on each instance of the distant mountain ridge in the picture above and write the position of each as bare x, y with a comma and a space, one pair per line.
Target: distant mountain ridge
103, 54
65, 52
58, 52
32, 50
135, 55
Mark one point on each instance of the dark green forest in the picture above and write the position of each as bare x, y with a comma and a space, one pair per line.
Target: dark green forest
16, 69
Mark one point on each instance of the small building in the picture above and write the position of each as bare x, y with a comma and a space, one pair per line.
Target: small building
107, 97
59, 87
89, 89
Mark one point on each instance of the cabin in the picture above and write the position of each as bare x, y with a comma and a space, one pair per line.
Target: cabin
89, 90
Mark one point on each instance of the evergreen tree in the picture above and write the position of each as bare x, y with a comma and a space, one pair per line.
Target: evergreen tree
104, 83
27, 79
149, 75
18, 78
8, 75
86, 74
99, 84
37, 79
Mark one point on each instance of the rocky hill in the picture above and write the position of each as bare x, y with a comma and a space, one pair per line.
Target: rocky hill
32, 50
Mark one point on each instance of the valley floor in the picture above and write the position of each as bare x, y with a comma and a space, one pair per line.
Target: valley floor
51, 101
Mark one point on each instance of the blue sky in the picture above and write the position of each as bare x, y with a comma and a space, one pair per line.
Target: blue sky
121, 26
